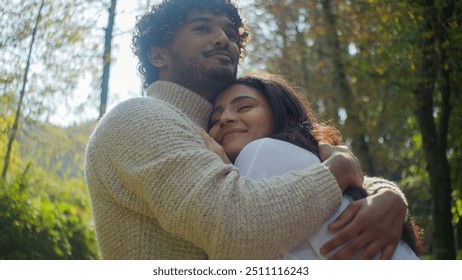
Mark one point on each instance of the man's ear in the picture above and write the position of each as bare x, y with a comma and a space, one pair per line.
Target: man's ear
157, 57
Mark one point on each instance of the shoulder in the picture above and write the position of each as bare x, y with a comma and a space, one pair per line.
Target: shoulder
268, 157
141, 121
276, 146
145, 106
142, 113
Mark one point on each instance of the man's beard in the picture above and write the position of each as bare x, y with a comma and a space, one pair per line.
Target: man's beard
190, 73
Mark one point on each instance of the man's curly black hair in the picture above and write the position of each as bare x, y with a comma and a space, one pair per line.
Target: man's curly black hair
157, 27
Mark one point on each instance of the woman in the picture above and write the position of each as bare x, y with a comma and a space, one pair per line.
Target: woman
266, 108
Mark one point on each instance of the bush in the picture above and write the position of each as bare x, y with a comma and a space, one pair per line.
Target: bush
33, 228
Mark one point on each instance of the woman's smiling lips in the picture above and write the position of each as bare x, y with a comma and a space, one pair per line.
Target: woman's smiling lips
231, 132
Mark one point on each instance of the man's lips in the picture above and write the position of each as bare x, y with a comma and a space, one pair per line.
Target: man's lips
222, 54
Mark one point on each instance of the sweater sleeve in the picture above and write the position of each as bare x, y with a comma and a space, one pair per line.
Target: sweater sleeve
150, 159
374, 184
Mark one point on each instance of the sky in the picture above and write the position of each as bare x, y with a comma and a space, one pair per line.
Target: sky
124, 82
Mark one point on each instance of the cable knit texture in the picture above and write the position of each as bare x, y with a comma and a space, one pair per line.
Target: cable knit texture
158, 193
374, 184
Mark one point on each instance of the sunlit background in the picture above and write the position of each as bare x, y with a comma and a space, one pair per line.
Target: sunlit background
387, 74
124, 82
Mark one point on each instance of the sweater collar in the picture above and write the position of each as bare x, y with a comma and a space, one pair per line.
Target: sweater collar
193, 105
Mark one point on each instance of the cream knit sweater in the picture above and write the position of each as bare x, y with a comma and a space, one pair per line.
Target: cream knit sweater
158, 193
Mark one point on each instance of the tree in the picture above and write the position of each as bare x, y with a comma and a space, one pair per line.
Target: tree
107, 58
63, 51
14, 128
345, 92
435, 72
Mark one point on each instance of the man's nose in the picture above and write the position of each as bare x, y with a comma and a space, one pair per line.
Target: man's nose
221, 39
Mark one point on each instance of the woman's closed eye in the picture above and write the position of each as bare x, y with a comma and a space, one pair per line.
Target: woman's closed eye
244, 108
213, 122
240, 109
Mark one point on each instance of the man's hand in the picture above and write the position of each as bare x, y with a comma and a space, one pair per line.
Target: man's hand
373, 224
342, 164
213, 146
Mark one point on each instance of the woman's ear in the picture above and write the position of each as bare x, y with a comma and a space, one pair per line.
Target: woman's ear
156, 57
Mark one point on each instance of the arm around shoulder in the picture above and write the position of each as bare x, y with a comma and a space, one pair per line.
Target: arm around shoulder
153, 164
375, 185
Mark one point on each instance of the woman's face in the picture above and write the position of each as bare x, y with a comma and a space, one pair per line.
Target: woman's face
241, 114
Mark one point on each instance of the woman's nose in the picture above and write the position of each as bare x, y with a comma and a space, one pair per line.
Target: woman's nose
227, 117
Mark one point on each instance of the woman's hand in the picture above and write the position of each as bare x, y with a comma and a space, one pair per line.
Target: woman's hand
213, 146
373, 224
343, 164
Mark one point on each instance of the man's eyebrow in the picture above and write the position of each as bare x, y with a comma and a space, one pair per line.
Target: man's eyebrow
199, 19
206, 19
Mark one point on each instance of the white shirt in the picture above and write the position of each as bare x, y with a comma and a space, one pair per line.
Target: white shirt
267, 157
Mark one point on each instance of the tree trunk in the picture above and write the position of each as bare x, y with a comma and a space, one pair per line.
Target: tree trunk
359, 145
434, 142
14, 128
459, 235
107, 59
304, 58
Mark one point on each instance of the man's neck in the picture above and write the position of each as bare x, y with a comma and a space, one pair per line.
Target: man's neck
209, 92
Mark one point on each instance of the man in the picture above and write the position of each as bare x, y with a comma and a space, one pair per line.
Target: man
158, 193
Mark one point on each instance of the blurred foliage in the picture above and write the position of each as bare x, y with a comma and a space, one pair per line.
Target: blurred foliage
66, 50
360, 64
39, 222
45, 207
44, 202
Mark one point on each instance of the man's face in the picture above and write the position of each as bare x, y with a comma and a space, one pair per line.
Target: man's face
204, 54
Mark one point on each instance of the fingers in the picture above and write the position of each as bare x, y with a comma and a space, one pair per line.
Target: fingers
364, 246
367, 228
336, 244
374, 248
388, 252
368, 240
348, 233
213, 146
203, 133
343, 165
378, 247
325, 151
210, 143
346, 217
350, 250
